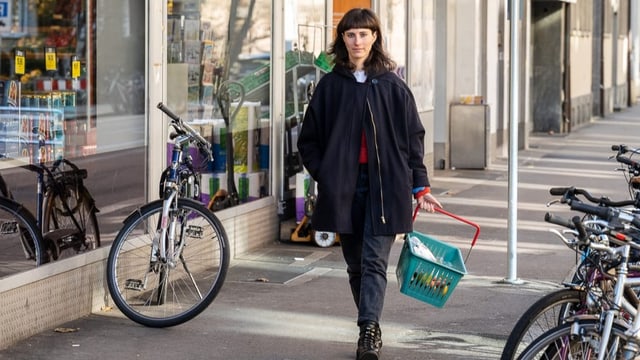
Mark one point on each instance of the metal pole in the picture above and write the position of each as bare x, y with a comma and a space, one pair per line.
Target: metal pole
614, 55
514, 108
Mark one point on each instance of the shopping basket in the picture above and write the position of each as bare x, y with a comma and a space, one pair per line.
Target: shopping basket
433, 276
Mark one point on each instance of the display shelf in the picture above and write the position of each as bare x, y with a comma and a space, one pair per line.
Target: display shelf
26, 130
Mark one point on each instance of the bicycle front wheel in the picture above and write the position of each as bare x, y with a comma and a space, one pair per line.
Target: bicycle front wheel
71, 216
160, 294
545, 314
20, 239
579, 340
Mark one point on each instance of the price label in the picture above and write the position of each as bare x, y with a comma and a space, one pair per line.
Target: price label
20, 62
50, 62
75, 67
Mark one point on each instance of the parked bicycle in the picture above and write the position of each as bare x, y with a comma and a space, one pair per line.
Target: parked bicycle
577, 297
631, 170
170, 259
584, 293
21, 238
65, 222
613, 332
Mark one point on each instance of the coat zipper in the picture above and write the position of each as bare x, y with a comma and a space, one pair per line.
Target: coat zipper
375, 141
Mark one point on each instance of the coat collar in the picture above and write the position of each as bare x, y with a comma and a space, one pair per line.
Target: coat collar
343, 71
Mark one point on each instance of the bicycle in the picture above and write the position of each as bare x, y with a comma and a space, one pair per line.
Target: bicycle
20, 236
610, 333
169, 260
632, 167
65, 222
69, 221
583, 294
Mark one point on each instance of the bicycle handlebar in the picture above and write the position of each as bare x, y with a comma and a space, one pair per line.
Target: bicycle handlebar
599, 211
626, 160
623, 149
184, 128
569, 194
606, 208
169, 113
582, 232
554, 219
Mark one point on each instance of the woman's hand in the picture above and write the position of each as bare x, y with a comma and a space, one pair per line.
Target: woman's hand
428, 202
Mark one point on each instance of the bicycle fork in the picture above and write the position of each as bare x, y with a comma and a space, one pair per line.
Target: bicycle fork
166, 248
162, 256
167, 233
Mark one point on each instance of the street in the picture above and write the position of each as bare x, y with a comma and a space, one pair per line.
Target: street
292, 301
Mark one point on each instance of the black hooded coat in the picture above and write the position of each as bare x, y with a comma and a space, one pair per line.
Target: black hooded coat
329, 144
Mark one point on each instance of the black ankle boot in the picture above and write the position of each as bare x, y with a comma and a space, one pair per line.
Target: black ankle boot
370, 341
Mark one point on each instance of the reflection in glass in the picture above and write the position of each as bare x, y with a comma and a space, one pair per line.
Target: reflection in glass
72, 76
212, 45
306, 62
422, 54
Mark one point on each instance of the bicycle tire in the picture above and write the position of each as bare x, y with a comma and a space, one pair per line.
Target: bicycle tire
543, 315
57, 216
153, 294
21, 239
563, 342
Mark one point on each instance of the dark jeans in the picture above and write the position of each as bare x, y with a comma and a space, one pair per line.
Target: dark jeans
366, 255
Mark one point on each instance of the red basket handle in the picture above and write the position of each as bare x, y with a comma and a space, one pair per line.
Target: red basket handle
459, 218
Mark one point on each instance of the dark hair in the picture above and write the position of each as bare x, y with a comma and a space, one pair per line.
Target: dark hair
378, 60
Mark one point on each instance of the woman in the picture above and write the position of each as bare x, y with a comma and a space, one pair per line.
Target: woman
363, 143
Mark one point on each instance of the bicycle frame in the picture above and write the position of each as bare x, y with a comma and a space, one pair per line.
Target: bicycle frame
171, 195
609, 315
41, 170
623, 281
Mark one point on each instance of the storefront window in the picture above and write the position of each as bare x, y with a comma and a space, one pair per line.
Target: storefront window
306, 62
72, 87
393, 14
422, 53
208, 71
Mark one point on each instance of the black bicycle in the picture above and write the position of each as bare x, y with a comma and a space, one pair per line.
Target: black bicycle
65, 222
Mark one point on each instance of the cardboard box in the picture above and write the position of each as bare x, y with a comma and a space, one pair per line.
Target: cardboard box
219, 129
471, 99
263, 148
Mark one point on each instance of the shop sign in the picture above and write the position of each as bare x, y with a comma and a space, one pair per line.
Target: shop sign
5, 16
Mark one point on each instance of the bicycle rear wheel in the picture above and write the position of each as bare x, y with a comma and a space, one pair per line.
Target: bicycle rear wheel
20, 239
158, 294
545, 314
569, 341
71, 215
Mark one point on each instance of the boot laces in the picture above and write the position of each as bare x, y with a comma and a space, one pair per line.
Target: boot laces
371, 337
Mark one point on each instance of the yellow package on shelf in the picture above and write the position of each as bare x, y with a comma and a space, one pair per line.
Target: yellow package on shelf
245, 128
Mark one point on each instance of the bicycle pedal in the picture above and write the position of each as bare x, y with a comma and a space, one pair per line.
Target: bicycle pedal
9, 227
134, 284
195, 231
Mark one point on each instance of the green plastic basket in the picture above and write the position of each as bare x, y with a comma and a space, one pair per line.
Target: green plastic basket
430, 281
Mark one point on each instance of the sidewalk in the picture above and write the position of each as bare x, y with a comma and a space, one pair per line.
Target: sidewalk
292, 301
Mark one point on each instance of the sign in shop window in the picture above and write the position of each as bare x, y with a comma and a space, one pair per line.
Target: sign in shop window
5, 16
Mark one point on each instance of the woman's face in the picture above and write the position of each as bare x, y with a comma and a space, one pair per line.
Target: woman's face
359, 43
